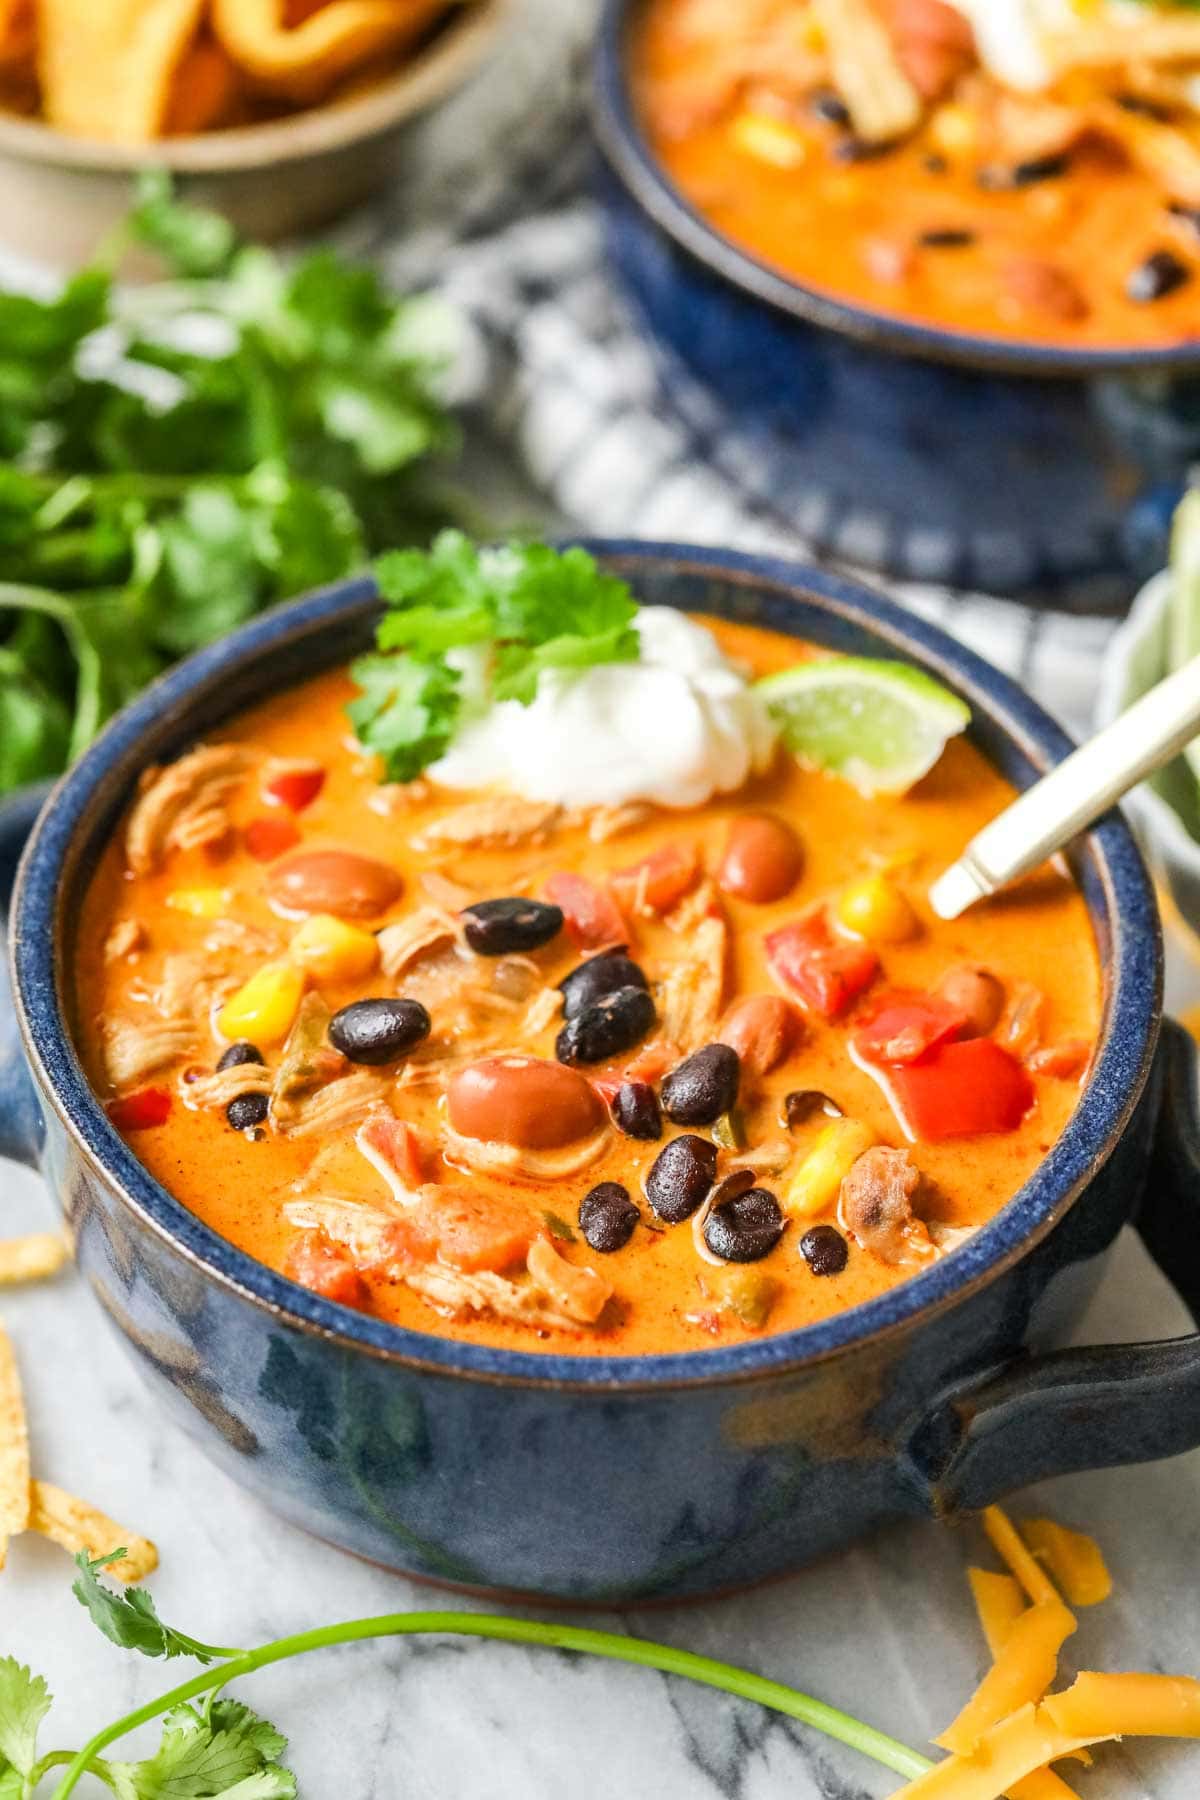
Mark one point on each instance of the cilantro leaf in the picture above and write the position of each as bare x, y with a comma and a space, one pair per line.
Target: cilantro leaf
190, 239
406, 710
130, 1618
24, 1702
230, 1753
539, 608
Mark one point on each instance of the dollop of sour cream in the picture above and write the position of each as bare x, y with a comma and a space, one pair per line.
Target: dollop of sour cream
676, 727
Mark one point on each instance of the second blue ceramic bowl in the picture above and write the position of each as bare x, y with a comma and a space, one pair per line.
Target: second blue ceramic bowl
1022, 469
622, 1479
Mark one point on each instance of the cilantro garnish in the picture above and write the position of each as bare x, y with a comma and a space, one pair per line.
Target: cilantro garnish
536, 608
215, 1748
175, 457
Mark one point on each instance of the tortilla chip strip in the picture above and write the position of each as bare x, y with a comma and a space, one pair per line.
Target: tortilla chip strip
76, 1526
31, 1258
883, 102
107, 69
1169, 156
14, 1449
308, 58
1102, 45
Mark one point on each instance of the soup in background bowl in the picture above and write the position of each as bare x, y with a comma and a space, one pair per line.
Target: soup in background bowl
611, 1478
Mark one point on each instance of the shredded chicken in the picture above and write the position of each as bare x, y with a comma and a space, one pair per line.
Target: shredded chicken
693, 990
875, 1206
214, 1092
391, 1148
445, 892
133, 1051
540, 1014
341, 1103
183, 806
580, 1292
611, 821
248, 940
502, 822
409, 939
391, 799
515, 1159
126, 938
361, 1229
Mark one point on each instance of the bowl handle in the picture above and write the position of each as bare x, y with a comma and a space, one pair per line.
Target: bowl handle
1089, 1408
21, 1129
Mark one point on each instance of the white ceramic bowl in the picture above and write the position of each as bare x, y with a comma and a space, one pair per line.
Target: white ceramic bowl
1137, 658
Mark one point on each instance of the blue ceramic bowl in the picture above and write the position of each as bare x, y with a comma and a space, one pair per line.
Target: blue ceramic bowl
1020, 468
624, 1479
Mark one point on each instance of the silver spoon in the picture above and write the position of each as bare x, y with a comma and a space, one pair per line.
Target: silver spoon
1058, 807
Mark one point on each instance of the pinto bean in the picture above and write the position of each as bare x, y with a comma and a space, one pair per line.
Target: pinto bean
523, 1100
976, 993
763, 1029
762, 859
1045, 288
876, 1206
333, 881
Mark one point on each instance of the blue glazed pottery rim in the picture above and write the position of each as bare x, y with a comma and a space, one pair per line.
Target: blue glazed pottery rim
632, 161
1113, 1089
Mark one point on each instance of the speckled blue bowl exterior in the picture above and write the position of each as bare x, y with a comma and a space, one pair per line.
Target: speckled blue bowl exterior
1027, 470
618, 1479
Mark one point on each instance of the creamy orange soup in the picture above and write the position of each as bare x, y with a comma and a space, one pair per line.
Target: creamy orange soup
1070, 215
380, 1183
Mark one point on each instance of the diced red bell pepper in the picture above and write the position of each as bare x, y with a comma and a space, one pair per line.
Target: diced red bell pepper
827, 972
295, 788
659, 881
961, 1089
137, 1112
904, 1025
316, 1264
593, 918
265, 839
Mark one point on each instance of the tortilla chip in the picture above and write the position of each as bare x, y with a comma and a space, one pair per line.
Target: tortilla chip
76, 1526
32, 1258
305, 60
14, 1449
107, 66
18, 31
204, 92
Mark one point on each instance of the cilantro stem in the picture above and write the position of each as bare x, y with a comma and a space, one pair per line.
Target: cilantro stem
664, 1657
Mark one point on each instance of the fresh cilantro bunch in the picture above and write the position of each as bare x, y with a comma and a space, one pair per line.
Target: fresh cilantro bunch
534, 607
177, 456
215, 1748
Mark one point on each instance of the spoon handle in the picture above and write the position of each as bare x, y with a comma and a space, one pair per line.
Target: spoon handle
1056, 808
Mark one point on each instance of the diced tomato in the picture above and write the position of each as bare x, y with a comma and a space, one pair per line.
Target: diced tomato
904, 1025
394, 1149
659, 881
592, 916
265, 839
961, 1089
468, 1230
137, 1112
316, 1264
295, 788
827, 972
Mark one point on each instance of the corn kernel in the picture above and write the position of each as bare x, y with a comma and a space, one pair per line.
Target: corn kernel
812, 33
954, 130
767, 140
263, 1010
874, 908
201, 902
332, 950
816, 1183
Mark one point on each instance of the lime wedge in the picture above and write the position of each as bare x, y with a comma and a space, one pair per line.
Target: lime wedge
879, 725
1183, 609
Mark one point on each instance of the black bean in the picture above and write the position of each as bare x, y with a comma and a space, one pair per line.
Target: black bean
952, 237
378, 1031
680, 1177
607, 1217
496, 927
703, 1086
1144, 108
1040, 168
614, 1023
824, 1250
799, 1107
1160, 274
934, 164
598, 976
1187, 215
829, 107
237, 1054
636, 1111
744, 1228
247, 1110
855, 150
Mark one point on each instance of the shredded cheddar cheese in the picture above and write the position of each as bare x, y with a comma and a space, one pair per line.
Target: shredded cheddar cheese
1009, 1545
999, 1603
1022, 1672
1074, 1561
